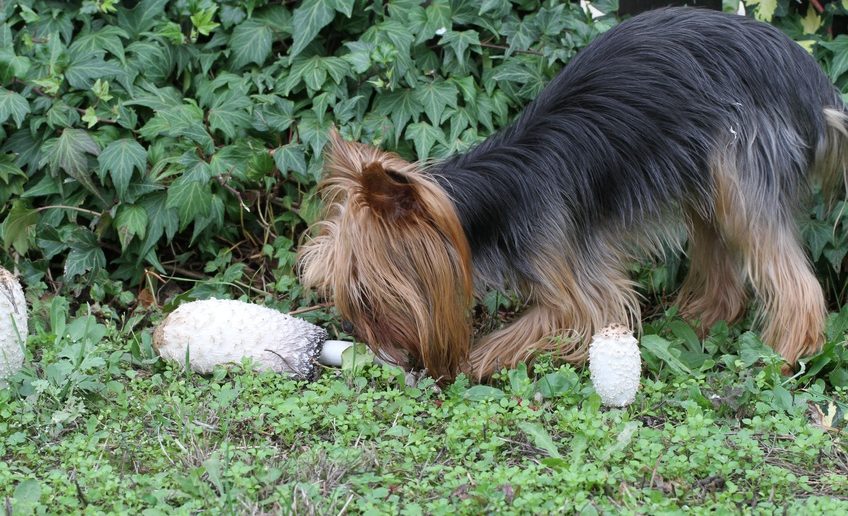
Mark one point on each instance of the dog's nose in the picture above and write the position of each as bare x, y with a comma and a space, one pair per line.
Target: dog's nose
347, 327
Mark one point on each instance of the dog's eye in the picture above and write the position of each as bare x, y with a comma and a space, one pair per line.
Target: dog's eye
347, 327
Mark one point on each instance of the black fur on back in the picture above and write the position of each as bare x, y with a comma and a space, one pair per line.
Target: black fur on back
627, 132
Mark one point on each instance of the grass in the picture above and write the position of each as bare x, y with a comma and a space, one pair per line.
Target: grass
95, 423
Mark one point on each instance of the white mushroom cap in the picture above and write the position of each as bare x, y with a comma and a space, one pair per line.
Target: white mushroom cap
615, 365
13, 325
216, 332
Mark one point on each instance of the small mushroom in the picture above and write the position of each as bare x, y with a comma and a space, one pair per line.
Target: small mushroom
615, 365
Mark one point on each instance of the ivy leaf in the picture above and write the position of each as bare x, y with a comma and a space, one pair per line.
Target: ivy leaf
215, 218
13, 105
498, 6
401, 106
460, 119
290, 158
391, 31
435, 97
202, 20
185, 120
839, 63
530, 80
313, 131
818, 234
424, 136
836, 255
438, 15
765, 9
15, 228
86, 254
108, 38
344, 6
468, 87
157, 99
8, 168
81, 73
522, 34
232, 160
191, 194
459, 43
162, 221
308, 19
811, 23
151, 60
313, 73
142, 16
119, 159
336, 67
230, 113
359, 56
346, 110
69, 152
273, 114
250, 43
172, 32
90, 117
12, 66
6, 37
131, 222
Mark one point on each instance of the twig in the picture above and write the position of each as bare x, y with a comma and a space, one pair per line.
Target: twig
504, 47
344, 508
224, 181
186, 272
311, 308
73, 208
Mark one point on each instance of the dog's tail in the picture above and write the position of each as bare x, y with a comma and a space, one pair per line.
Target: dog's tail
831, 168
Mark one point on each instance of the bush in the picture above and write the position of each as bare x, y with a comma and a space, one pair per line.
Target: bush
182, 138
159, 139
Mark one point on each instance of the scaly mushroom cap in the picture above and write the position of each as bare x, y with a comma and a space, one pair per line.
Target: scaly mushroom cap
216, 332
615, 365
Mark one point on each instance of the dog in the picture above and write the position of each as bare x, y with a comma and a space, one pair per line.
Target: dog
677, 119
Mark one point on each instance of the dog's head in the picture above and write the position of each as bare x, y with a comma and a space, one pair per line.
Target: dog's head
391, 253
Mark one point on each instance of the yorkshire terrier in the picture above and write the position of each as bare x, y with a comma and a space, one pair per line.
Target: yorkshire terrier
676, 119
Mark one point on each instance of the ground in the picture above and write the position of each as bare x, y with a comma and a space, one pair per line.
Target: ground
107, 427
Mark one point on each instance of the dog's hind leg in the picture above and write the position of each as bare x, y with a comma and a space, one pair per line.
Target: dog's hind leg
793, 305
714, 288
758, 222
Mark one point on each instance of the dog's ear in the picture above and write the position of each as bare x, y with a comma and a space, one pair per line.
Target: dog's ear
388, 192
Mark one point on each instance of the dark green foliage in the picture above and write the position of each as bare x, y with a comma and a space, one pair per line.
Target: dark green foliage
144, 137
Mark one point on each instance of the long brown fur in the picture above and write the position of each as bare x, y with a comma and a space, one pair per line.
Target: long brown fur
411, 298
